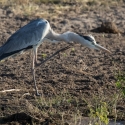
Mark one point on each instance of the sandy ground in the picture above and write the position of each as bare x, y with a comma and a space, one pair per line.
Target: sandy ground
79, 70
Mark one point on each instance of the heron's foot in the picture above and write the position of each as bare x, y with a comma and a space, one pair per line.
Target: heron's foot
38, 94
37, 62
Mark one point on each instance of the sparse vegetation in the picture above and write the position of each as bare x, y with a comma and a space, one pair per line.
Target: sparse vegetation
44, 55
64, 105
120, 83
65, 108
29, 8
99, 114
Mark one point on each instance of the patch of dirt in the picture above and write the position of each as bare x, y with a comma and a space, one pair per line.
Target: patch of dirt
108, 27
79, 71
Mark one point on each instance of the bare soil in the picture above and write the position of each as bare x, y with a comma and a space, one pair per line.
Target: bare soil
79, 71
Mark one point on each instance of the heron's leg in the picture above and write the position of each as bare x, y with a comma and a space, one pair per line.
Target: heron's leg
33, 71
35, 52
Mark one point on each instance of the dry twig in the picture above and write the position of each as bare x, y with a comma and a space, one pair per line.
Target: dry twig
10, 90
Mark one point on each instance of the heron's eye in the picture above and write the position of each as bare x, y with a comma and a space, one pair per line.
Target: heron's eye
45, 21
92, 42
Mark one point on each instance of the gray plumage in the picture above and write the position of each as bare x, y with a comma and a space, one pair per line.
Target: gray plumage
28, 36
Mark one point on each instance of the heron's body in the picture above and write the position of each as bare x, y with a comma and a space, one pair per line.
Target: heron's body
25, 38
32, 35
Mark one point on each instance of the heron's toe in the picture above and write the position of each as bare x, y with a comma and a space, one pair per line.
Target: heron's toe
38, 94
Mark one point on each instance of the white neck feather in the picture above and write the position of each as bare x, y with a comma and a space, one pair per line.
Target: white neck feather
66, 36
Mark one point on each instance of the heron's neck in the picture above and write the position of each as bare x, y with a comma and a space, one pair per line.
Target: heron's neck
56, 36
67, 36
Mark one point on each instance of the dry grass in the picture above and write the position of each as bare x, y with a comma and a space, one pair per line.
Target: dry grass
34, 7
88, 2
65, 108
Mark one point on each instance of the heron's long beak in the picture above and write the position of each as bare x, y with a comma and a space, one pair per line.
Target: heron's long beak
102, 48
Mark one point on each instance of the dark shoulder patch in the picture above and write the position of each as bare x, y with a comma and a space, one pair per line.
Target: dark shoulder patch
86, 37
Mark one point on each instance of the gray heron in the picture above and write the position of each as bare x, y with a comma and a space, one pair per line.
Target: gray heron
32, 35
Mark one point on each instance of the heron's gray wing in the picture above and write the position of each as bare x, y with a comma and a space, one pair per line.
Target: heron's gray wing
26, 37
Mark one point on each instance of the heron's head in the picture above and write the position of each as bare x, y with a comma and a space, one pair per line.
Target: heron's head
90, 42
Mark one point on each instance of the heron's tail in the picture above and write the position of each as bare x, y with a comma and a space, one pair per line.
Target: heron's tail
1, 54
4, 55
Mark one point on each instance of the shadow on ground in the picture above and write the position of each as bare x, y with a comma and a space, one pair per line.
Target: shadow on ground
23, 119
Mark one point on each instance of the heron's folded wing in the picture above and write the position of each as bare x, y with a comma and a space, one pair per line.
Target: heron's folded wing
27, 36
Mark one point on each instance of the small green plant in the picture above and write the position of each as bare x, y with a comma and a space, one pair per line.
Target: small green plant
103, 35
120, 83
100, 113
64, 54
73, 49
44, 55
2, 61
